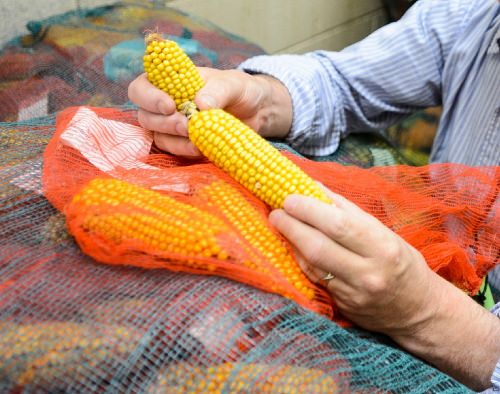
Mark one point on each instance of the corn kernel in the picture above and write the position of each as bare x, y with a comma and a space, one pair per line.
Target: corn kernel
185, 79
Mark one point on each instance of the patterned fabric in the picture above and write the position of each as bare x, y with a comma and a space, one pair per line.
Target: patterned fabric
90, 56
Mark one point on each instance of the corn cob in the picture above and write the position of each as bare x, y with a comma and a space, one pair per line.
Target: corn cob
122, 212
242, 378
169, 68
223, 139
255, 230
250, 159
49, 355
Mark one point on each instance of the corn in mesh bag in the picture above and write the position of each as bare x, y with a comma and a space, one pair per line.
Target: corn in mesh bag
216, 231
69, 324
190, 216
221, 232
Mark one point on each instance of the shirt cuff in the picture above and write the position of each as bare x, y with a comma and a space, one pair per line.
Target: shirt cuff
307, 134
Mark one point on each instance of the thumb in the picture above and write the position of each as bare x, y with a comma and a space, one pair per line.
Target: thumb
221, 90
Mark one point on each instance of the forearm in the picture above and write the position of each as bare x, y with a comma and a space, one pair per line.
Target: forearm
461, 339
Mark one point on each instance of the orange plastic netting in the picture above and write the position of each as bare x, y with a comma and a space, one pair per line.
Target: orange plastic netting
449, 212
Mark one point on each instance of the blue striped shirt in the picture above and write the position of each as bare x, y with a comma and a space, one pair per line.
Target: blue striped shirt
440, 53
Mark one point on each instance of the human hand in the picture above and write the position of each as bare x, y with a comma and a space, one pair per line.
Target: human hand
259, 101
381, 282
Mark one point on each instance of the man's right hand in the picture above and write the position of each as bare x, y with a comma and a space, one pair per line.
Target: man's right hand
260, 101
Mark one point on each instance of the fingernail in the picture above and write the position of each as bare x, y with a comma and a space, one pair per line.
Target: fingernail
208, 101
291, 202
274, 216
181, 128
164, 108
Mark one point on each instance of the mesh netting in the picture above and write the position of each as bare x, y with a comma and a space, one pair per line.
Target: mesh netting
443, 210
70, 324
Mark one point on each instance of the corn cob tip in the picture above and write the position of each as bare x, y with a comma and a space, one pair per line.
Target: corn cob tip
169, 68
154, 36
121, 212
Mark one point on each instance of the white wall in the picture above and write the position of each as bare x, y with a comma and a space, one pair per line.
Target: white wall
281, 26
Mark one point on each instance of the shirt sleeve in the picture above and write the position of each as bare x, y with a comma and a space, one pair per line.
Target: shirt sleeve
371, 84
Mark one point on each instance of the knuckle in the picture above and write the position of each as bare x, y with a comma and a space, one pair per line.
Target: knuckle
374, 285
130, 91
391, 252
358, 301
160, 142
315, 250
143, 119
340, 227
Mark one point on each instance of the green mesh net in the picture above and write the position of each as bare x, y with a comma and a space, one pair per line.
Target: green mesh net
71, 325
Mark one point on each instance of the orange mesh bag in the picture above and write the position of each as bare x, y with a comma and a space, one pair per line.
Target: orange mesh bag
449, 212
126, 203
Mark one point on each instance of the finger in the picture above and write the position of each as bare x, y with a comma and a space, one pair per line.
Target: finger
143, 94
222, 88
180, 146
318, 250
343, 222
342, 292
314, 274
175, 124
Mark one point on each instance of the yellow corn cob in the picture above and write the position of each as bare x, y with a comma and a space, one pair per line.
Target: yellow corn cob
249, 222
122, 212
239, 378
250, 159
169, 68
227, 142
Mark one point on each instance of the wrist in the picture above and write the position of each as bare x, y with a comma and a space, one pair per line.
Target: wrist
275, 108
457, 335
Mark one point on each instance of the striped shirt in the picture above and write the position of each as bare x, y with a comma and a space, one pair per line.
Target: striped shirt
440, 53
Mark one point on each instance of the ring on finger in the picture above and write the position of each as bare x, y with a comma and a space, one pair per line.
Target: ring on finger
328, 277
